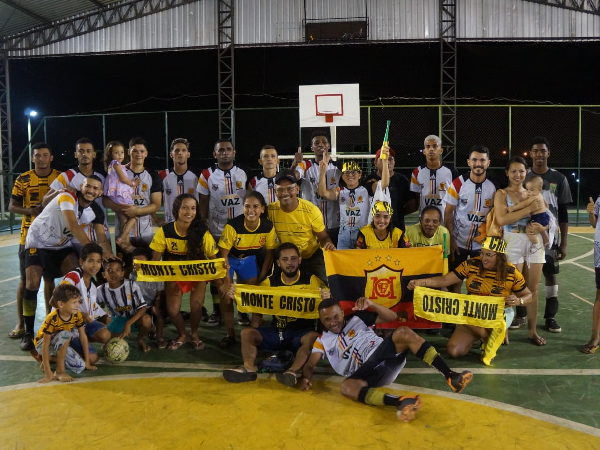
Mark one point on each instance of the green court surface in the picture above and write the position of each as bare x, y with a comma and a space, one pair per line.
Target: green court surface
556, 380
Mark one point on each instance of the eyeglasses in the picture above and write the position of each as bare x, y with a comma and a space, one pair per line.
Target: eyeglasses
350, 172
281, 190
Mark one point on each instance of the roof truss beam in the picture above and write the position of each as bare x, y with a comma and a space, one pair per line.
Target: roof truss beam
584, 6
87, 23
27, 11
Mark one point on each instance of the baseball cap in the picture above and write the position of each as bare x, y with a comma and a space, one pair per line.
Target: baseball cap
286, 175
392, 153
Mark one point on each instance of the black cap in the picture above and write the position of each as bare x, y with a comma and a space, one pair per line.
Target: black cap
286, 175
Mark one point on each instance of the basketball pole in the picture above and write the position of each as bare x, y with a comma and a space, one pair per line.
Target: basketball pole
333, 143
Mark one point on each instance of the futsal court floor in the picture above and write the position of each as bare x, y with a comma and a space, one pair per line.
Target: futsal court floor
531, 397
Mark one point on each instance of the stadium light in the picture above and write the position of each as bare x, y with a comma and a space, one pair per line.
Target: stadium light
29, 112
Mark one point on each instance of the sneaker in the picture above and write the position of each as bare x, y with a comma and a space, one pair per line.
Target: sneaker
553, 326
26, 343
243, 319
458, 381
214, 320
517, 323
408, 407
204, 314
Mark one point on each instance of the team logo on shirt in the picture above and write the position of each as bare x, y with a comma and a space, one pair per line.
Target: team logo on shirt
215, 187
351, 333
238, 185
191, 191
168, 191
442, 187
144, 187
359, 199
464, 201
487, 203
384, 286
332, 181
262, 241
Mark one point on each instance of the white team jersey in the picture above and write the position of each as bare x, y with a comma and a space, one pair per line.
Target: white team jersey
73, 178
310, 191
226, 190
266, 186
432, 185
174, 185
89, 297
49, 229
150, 183
472, 201
123, 301
354, 206
149, 289
350, 349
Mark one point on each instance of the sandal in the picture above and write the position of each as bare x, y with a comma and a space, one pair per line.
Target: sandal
287, 378
17, 333
162, 344
590, 349
174, 345
227, 342
239, 375
539, 341
197, 345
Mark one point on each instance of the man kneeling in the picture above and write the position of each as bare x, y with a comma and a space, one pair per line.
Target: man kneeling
289, 333
369, 361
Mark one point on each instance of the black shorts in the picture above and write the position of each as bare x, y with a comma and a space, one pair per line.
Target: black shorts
597, 269
463, 255
271, 340
22, 262
50, 260
550, 267
383, 366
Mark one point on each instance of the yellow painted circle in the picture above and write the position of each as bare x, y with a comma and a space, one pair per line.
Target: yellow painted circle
208, 412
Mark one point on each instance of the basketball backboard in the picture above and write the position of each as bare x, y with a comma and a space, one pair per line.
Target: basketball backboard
329, 105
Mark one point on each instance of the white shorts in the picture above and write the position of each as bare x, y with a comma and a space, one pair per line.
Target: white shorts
519, 249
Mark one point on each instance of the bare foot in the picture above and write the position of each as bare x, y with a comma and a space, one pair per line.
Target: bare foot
45, 380
143, 346
63, 377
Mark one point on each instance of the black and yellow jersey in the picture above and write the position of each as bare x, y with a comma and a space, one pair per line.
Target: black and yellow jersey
173, 245
368, 239
28, 192
242, 242
487, 284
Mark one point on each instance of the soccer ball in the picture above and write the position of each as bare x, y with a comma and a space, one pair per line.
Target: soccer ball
116, 350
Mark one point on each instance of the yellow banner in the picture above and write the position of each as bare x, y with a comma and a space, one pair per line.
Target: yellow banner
279, 301
208, 270
477, 310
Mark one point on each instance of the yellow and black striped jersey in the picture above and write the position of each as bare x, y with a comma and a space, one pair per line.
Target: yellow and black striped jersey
487, 284
173, 245
28, 192
53, 324
368, 239
243, 242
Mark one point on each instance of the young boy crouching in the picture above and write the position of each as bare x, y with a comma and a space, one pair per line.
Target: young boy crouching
54, 336
125, 303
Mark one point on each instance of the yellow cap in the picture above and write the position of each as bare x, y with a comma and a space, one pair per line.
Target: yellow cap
350, 165
381, 207
495, 244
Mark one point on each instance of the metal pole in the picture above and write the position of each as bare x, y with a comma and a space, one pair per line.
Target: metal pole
166, 140
29, 137
509, 132
369, 126
578, 164
333, 142
45, 132
103, 131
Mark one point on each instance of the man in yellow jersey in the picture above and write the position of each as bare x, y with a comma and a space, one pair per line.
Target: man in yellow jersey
300, 222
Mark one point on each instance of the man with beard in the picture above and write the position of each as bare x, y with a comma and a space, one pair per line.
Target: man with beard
468, 200
287, 333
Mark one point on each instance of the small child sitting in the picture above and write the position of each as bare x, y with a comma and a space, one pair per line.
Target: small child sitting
125, 303
534, 188
152, 291
54, 336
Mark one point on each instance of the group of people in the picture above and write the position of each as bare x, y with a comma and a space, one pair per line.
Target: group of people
272, 229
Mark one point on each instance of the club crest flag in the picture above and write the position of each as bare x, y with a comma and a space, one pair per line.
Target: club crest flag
477, 310
381, 275
208, 270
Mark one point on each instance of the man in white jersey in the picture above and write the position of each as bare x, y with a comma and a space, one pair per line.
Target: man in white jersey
468, 200
431, 181
265, 182
72, 179
369, 361
310, 182
48, 248
222, 189
147, 195
179, 180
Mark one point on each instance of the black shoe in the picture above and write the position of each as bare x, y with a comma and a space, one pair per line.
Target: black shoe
243, 319
204, 314
459, 381
214, 320
26, 343
553, 326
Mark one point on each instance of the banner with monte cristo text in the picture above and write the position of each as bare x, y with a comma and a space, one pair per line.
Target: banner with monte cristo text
477, 310
279, 301
381, 275
199, 270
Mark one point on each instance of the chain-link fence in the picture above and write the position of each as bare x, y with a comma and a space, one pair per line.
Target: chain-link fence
573, 131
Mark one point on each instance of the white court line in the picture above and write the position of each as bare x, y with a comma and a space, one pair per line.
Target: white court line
582, 237
582, 299
578, 265
460, 397
10, 279
585, 255
6, 304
